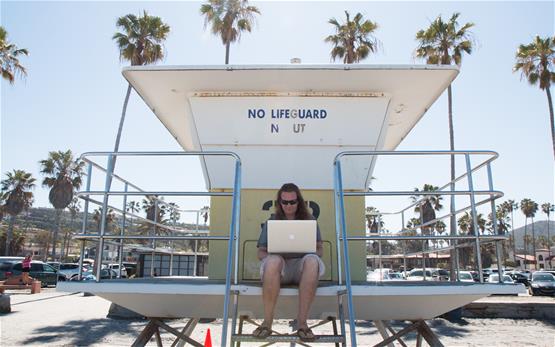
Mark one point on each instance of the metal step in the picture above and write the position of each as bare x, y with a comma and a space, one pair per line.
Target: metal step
288, 338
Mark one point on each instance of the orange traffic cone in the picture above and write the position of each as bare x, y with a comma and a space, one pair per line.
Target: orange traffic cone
208, 339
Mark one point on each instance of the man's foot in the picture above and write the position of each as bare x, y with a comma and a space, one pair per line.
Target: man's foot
262, 332
305, 334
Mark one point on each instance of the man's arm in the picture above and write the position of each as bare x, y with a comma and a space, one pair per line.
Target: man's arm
319, 248
262, 253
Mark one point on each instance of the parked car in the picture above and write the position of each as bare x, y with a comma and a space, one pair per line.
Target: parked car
54, 264
519, 278
70, 270
494, 278
440, 275
543, 283
377, 275
104, 275
466, 276
41, 271
527, 273
396, 276
130, 268
418, 275
6, 268
6, 265
120, 273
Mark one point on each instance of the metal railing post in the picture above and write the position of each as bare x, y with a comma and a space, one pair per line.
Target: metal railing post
85, 221
337, 229
495, 231
153, 241
100, 249
346, 259
122, 231
474, 217
234, 227
196, 248
172, 242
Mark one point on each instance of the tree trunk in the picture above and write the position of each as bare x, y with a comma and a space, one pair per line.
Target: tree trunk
46, 247
9, 236
551, 120
452, 218
122, 119
548, 241
525, 241
227, 53
55, 234
514, 240
67, 244
69, 235
118, 136
63, 247
534, 244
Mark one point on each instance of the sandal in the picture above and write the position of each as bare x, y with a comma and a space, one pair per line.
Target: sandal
262, 332
306, 335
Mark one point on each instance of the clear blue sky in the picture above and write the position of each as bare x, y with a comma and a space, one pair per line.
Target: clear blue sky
72, 96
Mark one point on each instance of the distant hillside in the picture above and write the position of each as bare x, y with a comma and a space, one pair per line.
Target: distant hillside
44, 218
540, 228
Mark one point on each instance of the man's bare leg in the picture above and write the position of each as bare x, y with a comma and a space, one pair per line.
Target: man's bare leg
307, 289
271, 286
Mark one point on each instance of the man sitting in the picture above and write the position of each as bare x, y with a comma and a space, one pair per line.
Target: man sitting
296, 268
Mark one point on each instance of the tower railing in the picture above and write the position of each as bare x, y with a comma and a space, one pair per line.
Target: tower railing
489, 196
101, 237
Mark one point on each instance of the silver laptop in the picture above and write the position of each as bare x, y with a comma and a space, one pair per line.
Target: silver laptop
291, 236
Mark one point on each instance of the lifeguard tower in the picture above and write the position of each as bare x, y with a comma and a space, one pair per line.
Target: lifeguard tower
322, 127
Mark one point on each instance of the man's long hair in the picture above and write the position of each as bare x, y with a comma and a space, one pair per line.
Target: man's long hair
302, 211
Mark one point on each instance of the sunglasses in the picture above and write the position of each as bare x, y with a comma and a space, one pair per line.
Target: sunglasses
289, 202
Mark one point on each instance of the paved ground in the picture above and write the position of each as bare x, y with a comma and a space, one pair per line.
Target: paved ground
60, 319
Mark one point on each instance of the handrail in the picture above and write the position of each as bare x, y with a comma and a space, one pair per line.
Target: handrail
146, 220
340, 194
234, 232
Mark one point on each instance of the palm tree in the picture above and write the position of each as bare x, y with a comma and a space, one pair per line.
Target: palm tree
529, 209
547, 208
63, 176
536, 61
440, 227
412, 245
502, 218
445, 43
353, 40
16, 188
428, 204
2, 201
74, 207
155, 210
140, 43
511, 206
466, 224
502, 223
133, 207
9, 58
173, 213
373, 220
110, 218
228, 19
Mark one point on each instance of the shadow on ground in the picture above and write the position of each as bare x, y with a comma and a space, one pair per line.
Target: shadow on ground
84, 332
440, 326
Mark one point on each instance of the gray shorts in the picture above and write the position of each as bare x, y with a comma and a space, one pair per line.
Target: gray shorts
292, 269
